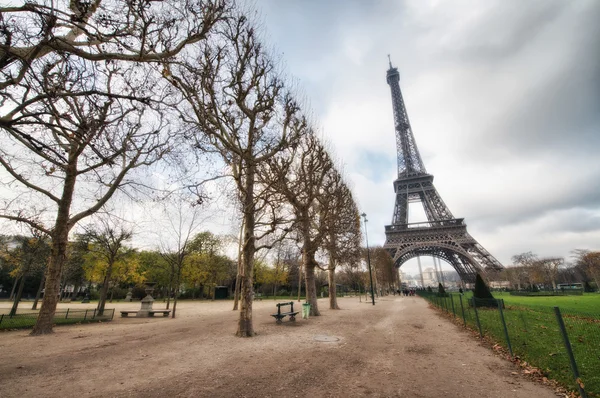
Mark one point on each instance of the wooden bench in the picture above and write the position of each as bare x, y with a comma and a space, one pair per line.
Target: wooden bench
258, 296
280, 315
126, 313
163, 312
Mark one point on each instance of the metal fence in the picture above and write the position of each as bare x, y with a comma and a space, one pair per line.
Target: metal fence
61, 317
563, 344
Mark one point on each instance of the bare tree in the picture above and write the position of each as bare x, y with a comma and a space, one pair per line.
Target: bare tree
77, 131
550, 268
236, 103
175, 242
589, 262
96, 30
300, 176
342, 223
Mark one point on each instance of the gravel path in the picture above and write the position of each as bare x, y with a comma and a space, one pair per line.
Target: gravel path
397, 348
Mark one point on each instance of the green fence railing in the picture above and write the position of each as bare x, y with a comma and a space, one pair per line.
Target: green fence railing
61, 317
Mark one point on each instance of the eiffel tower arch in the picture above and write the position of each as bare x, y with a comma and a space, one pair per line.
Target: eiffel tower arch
442, 235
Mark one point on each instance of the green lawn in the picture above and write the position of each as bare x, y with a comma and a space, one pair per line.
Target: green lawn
535, 336
589, 303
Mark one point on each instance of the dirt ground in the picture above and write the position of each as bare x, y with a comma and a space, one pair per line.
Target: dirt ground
397, 348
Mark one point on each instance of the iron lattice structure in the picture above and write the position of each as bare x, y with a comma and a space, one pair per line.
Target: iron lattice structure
442, 236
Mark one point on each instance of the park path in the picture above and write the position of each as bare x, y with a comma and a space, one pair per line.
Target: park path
397, 348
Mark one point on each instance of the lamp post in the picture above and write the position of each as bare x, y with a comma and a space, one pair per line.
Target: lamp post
364, 216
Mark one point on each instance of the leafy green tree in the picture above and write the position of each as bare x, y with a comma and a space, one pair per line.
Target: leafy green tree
107, 251
26, 259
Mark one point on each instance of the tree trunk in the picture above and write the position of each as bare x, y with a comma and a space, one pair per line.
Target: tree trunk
169, 289
58, 258
75, 291
175, 295
245, 327
238, 277
58, 254
311, 289
112, 293
104, 292
39, 292
332, 289
299, 280
14, 288
15, 305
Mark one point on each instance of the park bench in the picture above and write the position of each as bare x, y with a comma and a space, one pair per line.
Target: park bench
258, 296
163, 312
126, 313
280, 315
150, 313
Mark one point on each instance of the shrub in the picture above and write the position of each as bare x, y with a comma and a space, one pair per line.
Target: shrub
481, 291
441, 291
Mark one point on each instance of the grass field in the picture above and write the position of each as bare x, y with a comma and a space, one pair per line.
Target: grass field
589, 303
535, 336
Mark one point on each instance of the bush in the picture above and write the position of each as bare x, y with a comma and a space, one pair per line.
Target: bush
139, 292
441, 291
117, 293
481, 291
588, 288
429, 289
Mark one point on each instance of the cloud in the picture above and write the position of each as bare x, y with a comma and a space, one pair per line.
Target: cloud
503, 98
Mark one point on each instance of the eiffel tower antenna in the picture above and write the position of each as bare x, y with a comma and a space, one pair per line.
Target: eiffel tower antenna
442, 235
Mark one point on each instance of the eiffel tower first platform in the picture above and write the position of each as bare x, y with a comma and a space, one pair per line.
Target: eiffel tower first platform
443, 235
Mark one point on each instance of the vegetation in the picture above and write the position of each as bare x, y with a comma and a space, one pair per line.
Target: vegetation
89, 103
441, 291
481, 291
535, 336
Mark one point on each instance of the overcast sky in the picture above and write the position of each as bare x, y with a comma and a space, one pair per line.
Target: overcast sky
503, 98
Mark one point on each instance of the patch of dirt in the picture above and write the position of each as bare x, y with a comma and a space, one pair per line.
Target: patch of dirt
398, 347
419, 349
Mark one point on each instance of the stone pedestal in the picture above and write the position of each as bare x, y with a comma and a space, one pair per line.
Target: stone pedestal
147, 302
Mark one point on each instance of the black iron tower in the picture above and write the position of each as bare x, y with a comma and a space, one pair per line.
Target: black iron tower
442, 236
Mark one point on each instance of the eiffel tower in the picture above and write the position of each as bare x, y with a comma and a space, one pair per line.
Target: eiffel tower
443, 235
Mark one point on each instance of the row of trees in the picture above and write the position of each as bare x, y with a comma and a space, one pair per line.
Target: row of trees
98, 97
101, 262
530, 270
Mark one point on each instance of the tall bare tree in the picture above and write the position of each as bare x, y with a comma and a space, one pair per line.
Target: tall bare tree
300, 176
176, 242
96, 30
589, 262
342, 222
70, 77
68, 146
236, 103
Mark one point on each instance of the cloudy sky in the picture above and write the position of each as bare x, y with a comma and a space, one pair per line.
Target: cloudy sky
503, 97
